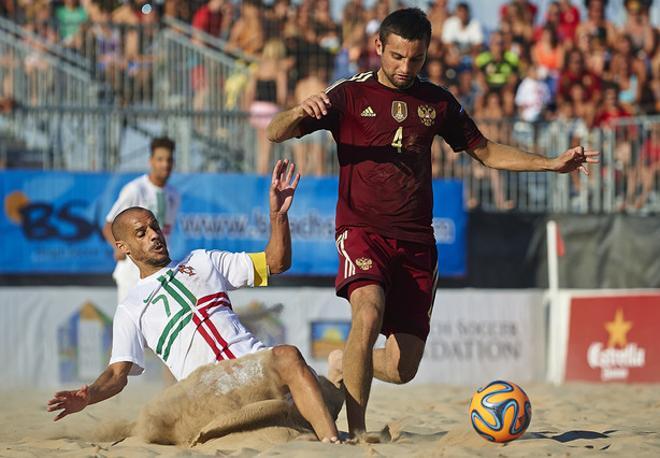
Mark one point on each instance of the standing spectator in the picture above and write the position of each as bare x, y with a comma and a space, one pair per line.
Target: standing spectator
266, 94
498, 66
247, 33
463, 30
149, 191
309, 151
211, 18
70, 17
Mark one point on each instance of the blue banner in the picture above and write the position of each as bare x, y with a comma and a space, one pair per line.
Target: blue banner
52, 221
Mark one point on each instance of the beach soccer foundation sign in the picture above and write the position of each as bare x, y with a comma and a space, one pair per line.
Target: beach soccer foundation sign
614, 339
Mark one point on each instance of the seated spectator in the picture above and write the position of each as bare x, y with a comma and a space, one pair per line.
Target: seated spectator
610, 109
575, 71
548, 54
247, 33
266, 95
569, 19
498, 66
70, 17
178, 9
596, 23
520, 21
212, 19
108, 50
532, 96
437, 15
638, 26
463, 31
528, 7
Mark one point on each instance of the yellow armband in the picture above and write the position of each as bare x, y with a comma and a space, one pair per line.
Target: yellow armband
261, 271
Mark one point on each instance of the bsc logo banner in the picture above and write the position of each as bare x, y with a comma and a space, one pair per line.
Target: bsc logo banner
52, 221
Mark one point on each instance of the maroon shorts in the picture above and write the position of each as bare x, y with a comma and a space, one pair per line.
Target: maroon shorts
407, 271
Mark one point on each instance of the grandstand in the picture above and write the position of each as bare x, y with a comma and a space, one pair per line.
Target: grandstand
85, 85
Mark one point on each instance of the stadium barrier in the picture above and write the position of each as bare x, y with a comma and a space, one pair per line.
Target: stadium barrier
35, 72
61, 335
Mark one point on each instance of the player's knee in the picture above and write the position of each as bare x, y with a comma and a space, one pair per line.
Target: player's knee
287, 358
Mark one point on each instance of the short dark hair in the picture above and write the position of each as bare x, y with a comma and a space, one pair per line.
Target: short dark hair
162, 142
409, 23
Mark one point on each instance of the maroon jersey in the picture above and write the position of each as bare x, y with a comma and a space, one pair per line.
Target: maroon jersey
384, 138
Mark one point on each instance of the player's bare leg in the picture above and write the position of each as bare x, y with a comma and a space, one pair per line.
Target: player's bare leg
367, 307
293, 372
335, 367
399, 360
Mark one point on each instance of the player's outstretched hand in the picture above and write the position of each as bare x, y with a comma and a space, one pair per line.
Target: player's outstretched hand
316, 106
282, 187
574, 159
69, 402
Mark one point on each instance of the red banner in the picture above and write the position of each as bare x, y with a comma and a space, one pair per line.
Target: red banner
614, 339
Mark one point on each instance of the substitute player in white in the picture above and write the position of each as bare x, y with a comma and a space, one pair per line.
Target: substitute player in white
149, 191
181, 310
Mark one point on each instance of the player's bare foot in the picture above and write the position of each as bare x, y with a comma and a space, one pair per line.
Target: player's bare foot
331, 440
335, 367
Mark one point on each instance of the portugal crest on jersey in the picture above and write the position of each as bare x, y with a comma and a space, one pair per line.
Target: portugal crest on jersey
399, 110
426, 114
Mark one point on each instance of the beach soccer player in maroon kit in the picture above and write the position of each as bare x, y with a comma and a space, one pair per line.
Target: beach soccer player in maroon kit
384, 123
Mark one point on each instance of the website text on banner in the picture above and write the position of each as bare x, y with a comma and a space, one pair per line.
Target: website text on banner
51, 220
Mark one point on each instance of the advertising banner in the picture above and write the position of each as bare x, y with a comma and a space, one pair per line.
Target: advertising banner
614, 339
61, 336
52, 221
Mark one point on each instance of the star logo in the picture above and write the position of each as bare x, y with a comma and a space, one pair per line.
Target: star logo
186, 270
618, 329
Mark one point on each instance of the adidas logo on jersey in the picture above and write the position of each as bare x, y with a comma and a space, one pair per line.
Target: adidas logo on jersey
368, 113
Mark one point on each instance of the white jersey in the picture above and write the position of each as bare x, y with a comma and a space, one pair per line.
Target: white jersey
162, 202
183, 313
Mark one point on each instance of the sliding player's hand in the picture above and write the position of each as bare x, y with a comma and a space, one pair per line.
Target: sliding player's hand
575, 159
69, 402
282, 186
316, 106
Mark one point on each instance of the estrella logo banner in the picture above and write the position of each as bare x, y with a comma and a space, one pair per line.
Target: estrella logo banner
52, 221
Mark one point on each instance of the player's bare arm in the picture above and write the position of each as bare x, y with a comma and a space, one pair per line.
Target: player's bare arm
111, 381
282, 188
285, 125
107, 234
505, 157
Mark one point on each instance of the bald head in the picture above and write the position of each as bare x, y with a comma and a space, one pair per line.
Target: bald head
120, 223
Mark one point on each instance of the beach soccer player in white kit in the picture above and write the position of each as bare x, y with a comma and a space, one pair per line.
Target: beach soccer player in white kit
181, 310
149, 191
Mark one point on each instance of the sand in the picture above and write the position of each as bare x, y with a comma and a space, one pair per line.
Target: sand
411, 420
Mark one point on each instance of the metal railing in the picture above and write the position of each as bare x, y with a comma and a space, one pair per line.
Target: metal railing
117, 138
35, 72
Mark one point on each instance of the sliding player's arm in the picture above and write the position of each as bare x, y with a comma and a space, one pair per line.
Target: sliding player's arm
111, 381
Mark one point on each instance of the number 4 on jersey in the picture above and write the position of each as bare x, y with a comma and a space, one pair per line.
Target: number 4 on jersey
397, 141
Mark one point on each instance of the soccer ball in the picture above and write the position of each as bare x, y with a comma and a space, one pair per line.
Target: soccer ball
500, 412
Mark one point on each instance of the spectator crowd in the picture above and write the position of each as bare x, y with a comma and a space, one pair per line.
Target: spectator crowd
572, 63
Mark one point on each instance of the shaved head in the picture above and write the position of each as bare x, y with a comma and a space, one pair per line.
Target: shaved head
119, 224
